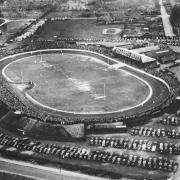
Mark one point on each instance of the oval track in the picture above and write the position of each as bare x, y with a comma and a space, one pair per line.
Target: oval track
159, 87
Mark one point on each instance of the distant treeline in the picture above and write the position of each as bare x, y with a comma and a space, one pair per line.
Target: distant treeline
175, 15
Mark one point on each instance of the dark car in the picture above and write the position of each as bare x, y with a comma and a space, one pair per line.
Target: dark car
124, 159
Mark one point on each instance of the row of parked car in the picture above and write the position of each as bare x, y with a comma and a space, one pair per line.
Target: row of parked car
169, 120
151, 132
136, 144
71, 152
124, 143
169, 148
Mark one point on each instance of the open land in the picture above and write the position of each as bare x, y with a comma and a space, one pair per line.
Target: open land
75, 28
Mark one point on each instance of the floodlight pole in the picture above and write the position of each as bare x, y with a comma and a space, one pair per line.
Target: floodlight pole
41, 58
60, 173
104, 91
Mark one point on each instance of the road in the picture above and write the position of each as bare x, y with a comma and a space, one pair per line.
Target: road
41, 172
5, 21
166, 22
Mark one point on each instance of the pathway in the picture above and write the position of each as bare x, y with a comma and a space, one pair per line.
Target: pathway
166, 21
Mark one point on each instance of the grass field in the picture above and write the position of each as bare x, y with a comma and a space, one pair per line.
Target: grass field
75, 28
14, 26
8, 176
78, 83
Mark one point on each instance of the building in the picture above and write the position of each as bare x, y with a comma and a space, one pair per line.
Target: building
133, 58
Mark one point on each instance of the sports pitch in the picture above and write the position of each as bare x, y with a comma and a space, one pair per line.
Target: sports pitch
75, 28
78, 83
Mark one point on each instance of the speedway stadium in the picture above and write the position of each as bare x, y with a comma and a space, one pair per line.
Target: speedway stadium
56, 85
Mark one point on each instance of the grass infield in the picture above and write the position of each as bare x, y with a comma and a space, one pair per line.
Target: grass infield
78, 83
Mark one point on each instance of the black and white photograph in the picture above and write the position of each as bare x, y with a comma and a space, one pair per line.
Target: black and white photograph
89, 89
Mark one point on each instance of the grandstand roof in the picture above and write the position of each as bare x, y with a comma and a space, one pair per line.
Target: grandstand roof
146, 49
133, 55
146, 59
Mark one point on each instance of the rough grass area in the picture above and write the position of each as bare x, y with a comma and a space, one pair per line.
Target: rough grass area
41, 130
75, 28
7, 176
14, 26
78, 83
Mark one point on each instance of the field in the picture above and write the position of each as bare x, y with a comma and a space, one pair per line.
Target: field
78, 83
75, 28
15, 26
10, 176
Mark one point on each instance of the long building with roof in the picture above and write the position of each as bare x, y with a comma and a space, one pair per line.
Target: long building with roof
133, 57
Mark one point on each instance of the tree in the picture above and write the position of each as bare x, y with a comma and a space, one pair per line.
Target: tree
175, 15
